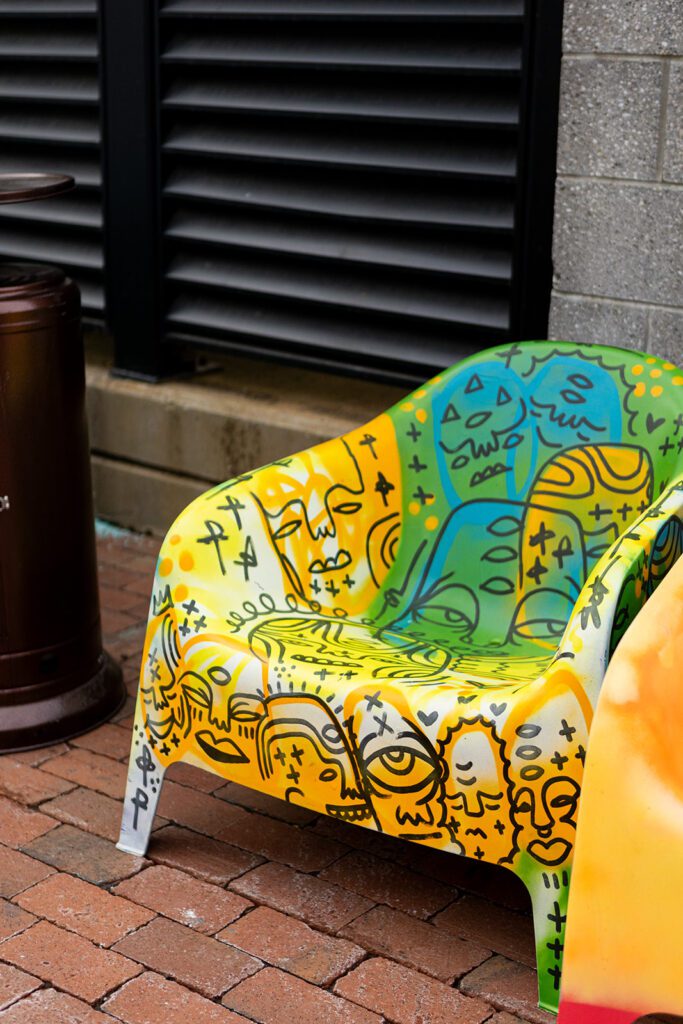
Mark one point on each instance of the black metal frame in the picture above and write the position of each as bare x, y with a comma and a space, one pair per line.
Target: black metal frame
132, 189
133, 217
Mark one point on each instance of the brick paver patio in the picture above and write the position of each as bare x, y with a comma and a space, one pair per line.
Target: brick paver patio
246, 909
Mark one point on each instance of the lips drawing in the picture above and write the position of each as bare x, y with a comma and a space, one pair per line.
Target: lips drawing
551, 852
223, 750
338, 561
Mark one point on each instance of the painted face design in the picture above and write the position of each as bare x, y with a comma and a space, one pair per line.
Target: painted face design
401, 771
546, 766
574, 401
483, 422
551, 814
303, 750
478, 791
342, 650
312, 525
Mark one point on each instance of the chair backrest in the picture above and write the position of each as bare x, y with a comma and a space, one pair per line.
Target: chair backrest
520, 466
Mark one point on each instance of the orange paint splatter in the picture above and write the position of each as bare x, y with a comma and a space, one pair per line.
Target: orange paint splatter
186, 561
165, 566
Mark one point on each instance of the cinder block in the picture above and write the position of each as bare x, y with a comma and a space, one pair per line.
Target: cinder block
673, 153
140, 498
609, 117
666, 334
619, 241
623, 26
575, 318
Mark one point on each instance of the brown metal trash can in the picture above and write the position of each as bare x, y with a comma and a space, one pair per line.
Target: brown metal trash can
55, 679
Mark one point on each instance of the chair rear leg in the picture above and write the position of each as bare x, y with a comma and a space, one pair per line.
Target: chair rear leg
145, 776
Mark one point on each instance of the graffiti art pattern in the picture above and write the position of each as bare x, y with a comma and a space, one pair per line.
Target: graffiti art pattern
407, 627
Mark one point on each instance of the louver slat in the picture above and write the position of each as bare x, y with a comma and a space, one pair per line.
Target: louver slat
340, 179
50, 121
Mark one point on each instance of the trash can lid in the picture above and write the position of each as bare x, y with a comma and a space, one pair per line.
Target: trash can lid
18, 188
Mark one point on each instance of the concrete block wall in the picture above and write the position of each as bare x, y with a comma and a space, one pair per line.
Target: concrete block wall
618, 234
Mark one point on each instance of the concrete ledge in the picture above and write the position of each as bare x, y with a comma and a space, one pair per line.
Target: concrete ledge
140, 498
157, 446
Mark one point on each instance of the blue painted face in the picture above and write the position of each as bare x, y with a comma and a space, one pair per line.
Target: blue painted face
574, 402
483, 434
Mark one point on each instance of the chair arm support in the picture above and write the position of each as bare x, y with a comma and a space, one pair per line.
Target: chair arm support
623, 579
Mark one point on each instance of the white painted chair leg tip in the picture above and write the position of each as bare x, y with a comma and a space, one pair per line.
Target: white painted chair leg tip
128, 848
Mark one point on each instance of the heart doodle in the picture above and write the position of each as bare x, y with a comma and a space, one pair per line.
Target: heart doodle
428, 719
652, 424
498, 709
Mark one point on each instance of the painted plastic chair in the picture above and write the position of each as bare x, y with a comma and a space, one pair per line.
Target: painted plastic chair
407, 627
623, 953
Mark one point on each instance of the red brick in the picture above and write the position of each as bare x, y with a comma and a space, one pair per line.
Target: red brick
83, 908
493, 926
417, 944
198, 811
50, 1007
508, 986
366, 839
129, 643
40, 754
115, 576
68, 961
14, 984
13, 919
90, 811
384, 882
502, 1017
491, 881
19, 825
115, 600
83, 768
140, 584
201, 906
252, 800
292, 945
114, 622
150, 999
406, 997
199, 855
311, 899
126, 713
17, 871
273, 997
94, 859
28, 785
195, 778
495, 883
196, 960
144, 564
279, 841
108, 740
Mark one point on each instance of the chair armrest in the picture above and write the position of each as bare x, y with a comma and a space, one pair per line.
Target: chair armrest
623, 579
306, 533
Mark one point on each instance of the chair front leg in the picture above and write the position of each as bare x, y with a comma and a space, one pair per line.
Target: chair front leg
145, 776
549, 890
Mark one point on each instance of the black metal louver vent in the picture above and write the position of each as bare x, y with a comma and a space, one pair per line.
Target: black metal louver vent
340, 176
50, 121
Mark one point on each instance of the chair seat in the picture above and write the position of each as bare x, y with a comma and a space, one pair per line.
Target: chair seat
390, 731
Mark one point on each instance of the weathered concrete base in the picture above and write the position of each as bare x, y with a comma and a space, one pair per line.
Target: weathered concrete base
157, 446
